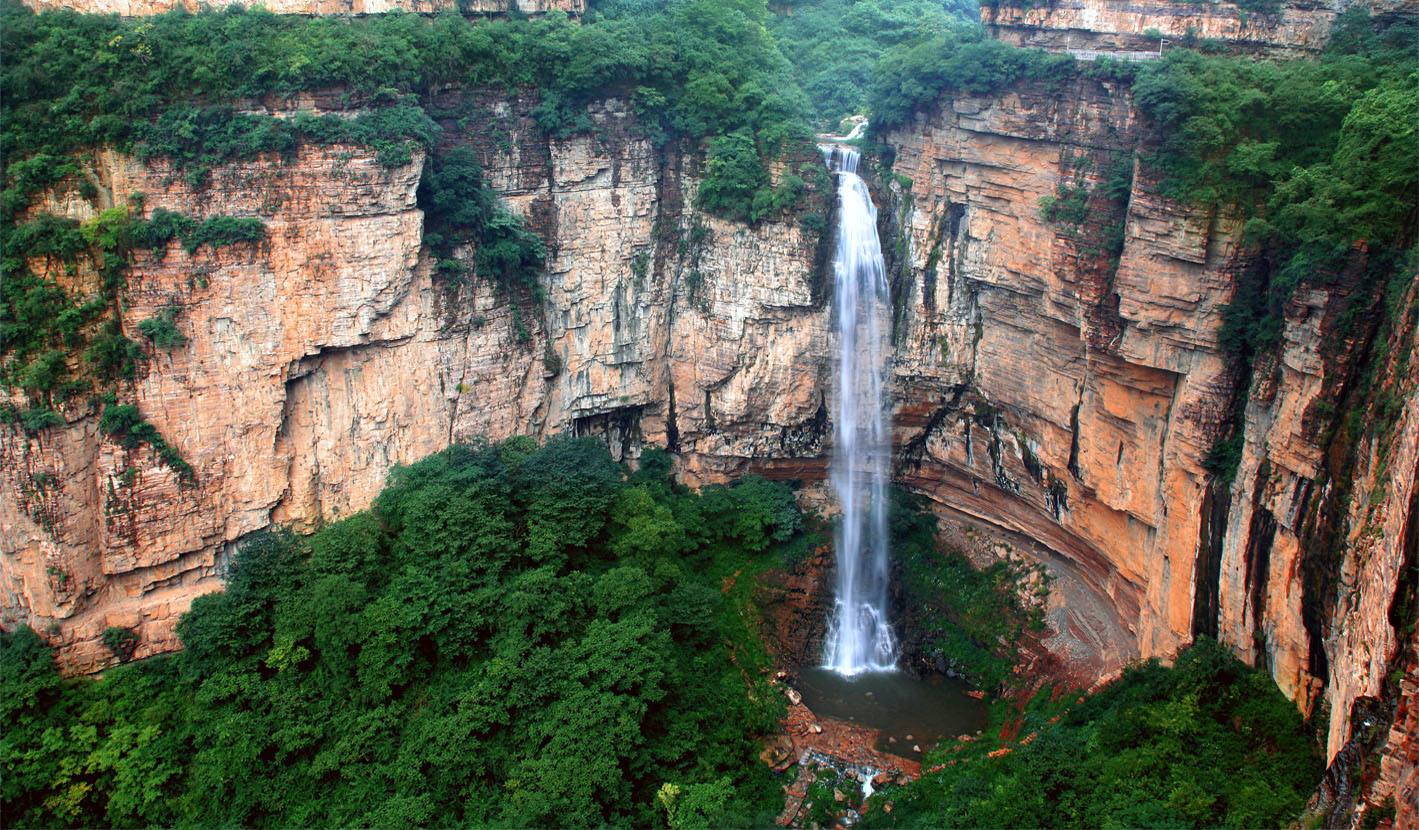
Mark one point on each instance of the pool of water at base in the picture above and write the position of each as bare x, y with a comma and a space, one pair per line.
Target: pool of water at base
907, 710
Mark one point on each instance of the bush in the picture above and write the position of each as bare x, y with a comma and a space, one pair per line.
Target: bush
960, 61
162, 330
459, 209
121, 641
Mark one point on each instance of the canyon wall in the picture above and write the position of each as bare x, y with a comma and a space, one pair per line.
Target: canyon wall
325, 354
1140, 25
1050, 390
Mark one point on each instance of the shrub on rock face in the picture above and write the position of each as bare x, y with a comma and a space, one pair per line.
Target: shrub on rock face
121, 641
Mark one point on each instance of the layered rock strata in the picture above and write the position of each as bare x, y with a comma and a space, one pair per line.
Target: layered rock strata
1049, 389
324, 355
1054, 392
1142, 25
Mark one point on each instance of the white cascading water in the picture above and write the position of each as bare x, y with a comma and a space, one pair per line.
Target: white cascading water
859, 635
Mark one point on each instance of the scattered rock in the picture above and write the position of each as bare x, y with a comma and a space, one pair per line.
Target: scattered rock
976, 693
880, 780
887, 807
916, 747
793, 696
816, 728
839, 796
909, 737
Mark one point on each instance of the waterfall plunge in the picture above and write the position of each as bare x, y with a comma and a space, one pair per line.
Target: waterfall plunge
859, 635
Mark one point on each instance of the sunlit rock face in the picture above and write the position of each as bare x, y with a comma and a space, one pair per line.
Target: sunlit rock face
1140, 25
1042, 393
324, 355
1048, 392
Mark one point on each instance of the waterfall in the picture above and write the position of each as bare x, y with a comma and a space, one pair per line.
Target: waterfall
859, 635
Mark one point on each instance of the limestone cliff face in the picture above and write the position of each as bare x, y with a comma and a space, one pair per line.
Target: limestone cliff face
1111, 25
1052, 392
327, 353
1045, 389
1057, 385
139, 8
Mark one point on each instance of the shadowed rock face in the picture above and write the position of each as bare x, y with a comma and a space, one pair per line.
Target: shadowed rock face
1044, 395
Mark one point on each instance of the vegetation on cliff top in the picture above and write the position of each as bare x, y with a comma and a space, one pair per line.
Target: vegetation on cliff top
166, 85
834, 45
1209, 742
1316, 155
173, 87
513, 635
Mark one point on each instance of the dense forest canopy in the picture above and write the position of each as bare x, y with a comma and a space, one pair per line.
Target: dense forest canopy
513, 635
518, 635
834, 45
1209, 742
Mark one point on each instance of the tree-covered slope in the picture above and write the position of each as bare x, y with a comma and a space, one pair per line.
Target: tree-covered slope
513, 635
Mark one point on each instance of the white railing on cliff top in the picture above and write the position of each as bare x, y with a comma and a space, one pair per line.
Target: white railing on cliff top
1129, 57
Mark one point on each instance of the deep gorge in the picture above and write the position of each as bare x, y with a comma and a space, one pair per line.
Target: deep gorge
1067, 390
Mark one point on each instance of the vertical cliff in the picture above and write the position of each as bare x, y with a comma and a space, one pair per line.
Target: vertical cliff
329, 352
1268, 26
1060, 374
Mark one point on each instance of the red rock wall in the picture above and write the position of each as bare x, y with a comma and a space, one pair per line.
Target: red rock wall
1113, 25
1048, 395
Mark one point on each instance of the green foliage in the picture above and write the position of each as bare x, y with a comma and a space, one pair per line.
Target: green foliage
43, 325
513, 635
734, 173
967, 620
960, 60
111, 355
164, 226
1317, 155
692, 68
121, 641
124, 424
1208, 743
833, 45
162, 330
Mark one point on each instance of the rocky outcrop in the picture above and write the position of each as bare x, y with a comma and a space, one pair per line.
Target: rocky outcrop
1059, 395
324, 355
1139, 25
1046, 390
139, 8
